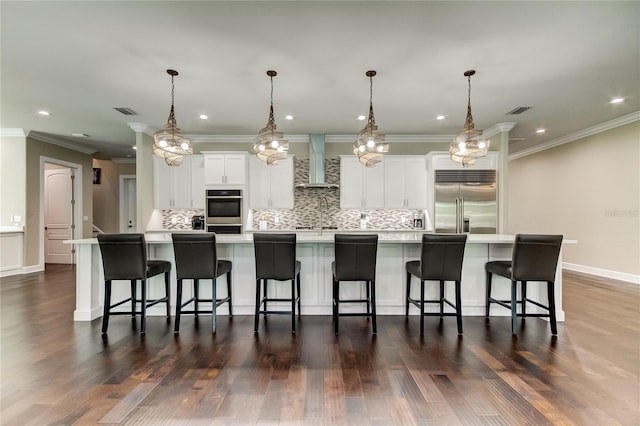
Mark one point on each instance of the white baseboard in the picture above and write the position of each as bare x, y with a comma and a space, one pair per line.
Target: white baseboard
606, 273
32, 269
20, 270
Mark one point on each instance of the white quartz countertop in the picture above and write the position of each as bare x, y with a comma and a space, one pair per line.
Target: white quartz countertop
326, 237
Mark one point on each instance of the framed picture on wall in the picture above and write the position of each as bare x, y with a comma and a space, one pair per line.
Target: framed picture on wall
96, 175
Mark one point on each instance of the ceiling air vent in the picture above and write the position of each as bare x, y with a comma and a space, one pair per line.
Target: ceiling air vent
125, 111
518, 110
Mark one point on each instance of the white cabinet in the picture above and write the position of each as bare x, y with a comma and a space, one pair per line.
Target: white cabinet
360, 186
225, 168
181, 186
271, 187
405, 182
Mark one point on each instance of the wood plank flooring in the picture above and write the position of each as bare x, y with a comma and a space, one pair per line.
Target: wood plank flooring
57, 372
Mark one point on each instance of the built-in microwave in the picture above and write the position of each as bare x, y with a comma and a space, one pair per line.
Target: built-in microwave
224, 207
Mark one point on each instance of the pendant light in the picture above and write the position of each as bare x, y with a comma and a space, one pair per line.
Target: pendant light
269, 145
168, 141
468, 143
369, 146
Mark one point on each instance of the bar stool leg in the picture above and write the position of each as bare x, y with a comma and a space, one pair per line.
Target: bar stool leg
368, 289
421, 307
298, 296
373, 307
488, 290
336, 302
524, 299
514, 314
264, 292
229, 294
167, 293
293, 306
107, 306
176, 328
552, 307
143, 312
458, 307
257, 311
441, 298
213, 306
133, 298
406, 302
196, 297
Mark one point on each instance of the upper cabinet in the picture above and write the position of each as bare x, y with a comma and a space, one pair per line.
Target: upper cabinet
271, 187
405, 182
181, 186
228, 169
360, 186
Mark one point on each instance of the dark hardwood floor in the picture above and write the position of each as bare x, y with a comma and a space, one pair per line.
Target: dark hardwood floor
55, 371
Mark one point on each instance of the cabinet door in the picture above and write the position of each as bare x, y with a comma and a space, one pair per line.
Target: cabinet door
235, 167
163, 192
415, 185
351, 189
373, 186
259, 195
182, 185
197, 181
281, 184
394, 183
214, 169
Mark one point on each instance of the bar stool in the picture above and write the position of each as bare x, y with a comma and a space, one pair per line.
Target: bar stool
197, 258
124, 257
276, 260
535, 258
440, 260
355, 261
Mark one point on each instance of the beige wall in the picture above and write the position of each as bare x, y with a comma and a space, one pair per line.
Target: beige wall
35, 150
106, 195
587, 190
12, 179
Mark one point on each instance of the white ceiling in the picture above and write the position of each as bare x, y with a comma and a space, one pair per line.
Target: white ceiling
79, 59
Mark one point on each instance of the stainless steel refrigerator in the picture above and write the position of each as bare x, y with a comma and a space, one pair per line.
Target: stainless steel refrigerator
466, 201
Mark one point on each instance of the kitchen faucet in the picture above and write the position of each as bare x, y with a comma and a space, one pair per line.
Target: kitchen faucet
322, 203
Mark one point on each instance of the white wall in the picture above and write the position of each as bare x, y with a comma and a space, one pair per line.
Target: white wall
13, 185
587, 190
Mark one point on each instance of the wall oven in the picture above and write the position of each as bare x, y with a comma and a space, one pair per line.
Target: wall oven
224, 211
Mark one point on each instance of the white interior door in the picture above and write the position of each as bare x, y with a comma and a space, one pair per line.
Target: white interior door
128, 204
58, 215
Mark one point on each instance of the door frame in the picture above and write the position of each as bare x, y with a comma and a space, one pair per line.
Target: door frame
121, 202
76, 170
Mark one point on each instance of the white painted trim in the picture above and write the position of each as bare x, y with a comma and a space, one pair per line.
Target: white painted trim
612, 124
139, 127
12, 133
21, 270
394, 138
120, 160
77, 196
32, 269
606, 273
498, 128
121, 212
65, 144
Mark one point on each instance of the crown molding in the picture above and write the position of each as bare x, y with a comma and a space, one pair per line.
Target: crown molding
240, 138
121, 160
12, 133
63, 143
394, 138
498, 128
599, 128
138, 127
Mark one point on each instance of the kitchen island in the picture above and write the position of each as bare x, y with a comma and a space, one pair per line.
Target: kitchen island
316, 252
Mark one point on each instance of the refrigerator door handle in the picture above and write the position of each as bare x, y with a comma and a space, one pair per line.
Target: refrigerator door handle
457, 215
461, 215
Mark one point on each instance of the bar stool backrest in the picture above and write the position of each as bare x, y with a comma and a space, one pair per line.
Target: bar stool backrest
275, 256
356, 257
124, 256
196, 255
441, 256
535, 257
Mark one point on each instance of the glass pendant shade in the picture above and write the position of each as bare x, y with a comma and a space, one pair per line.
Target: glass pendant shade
269, 145
168, 142
370, 146
468, 144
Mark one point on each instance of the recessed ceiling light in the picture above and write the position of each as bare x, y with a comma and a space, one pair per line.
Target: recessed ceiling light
289, 117
43, 112
361, 117
80, 135
616, 100
541, 130
440, 117
134, 147
204, 116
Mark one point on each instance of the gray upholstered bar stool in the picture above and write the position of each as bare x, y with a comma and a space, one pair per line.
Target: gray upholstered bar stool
276, 260
196, 258
124, 257
535, 258
355, 261
441, 259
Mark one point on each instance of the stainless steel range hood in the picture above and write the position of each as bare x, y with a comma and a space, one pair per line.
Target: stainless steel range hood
316, 163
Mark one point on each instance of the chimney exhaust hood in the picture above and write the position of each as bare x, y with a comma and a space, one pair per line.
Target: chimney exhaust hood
316, 164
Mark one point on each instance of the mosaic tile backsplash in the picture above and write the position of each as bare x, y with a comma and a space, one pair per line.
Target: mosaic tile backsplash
305, 212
